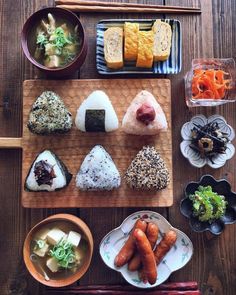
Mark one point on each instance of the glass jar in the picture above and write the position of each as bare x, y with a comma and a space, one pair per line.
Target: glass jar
225, 64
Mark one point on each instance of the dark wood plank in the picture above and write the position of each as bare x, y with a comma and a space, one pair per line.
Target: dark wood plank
207, 35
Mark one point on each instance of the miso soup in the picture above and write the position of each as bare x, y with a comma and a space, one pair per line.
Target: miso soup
54, 42
58, 249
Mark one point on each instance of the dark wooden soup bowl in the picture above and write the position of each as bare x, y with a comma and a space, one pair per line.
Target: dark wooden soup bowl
36, 273
59, 13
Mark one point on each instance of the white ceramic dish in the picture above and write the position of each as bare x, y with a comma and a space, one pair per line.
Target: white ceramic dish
176, 258
194, 157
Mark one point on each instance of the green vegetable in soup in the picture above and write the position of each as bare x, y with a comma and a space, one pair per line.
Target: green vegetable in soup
59, 39
64, 253
207, 205
42, 40
39, 244
56, 45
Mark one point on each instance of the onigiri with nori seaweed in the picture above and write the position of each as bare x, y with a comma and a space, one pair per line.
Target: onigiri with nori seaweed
47, 173
96, 114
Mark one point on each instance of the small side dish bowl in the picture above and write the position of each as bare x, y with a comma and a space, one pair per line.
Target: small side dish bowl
28, 32
42, 275
176, 258
210, 82
221, 187
194, 157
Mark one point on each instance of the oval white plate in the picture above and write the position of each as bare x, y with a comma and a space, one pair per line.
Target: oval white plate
194, 158
176, 258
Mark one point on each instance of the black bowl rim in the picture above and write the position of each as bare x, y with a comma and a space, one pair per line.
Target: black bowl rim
186, 198
24, 40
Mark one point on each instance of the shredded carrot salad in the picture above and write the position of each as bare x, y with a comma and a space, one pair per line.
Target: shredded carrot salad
210, 84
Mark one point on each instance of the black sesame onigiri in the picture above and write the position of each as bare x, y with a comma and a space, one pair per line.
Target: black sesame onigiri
147, 171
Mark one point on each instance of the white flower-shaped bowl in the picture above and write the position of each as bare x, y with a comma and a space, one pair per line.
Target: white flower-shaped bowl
176, 258
194, 157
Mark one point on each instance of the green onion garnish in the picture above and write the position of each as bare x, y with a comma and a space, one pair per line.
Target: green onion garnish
64, 253
39, 244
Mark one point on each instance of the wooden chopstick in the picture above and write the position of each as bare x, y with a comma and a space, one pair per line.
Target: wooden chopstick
119, 4
112, 9
187, 288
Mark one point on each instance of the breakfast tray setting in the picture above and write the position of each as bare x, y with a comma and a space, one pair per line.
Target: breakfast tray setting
126, 134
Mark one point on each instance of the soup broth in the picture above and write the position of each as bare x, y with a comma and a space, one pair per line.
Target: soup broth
41, 263
54, 42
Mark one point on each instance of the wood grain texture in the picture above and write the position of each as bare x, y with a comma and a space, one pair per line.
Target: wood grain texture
75, 145
10, 142
213, 263
208, 35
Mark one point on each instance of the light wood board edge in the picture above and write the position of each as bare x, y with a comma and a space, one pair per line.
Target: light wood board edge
10, 142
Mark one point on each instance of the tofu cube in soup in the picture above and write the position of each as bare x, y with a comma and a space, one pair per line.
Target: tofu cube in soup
74, 238
42, 235
52, 264
42, 251
54, 236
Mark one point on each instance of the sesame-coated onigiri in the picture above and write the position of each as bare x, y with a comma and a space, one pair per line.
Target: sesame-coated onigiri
147, 171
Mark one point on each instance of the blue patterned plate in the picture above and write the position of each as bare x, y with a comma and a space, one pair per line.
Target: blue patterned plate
176, 258
171, 66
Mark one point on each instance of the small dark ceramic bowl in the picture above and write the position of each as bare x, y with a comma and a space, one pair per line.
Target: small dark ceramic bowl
59, 13
222, 187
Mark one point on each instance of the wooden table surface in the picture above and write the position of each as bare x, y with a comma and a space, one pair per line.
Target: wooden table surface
211, 34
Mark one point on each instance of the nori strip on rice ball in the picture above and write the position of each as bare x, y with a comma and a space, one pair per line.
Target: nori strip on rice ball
95, 121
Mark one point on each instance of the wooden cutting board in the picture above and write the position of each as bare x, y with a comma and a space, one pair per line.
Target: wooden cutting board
74, 146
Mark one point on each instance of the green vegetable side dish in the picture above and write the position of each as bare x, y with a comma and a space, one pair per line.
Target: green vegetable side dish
64, 253
56, 44
207, 205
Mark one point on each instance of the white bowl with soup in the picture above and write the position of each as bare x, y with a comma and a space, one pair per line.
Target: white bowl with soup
58, 250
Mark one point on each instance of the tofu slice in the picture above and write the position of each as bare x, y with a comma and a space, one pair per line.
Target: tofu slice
42, 252
74, 238
42, 234
52, 264
54, 236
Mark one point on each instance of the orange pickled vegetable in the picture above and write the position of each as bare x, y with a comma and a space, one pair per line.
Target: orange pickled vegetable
210, 84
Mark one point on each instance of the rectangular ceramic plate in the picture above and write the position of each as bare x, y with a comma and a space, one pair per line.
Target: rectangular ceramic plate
171, 66
73, 146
